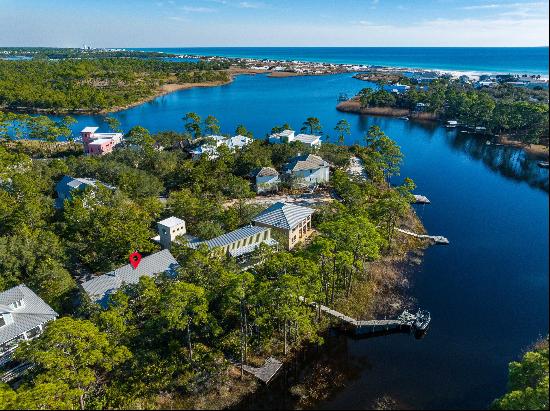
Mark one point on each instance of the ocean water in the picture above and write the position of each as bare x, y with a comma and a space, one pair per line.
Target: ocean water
487, 291
528, 60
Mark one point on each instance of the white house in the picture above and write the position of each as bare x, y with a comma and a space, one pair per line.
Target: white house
285, 136
266, 179
210, 148
309, 139
23, 315
288, 136
207, 150
238, 142
307, 170
396, 88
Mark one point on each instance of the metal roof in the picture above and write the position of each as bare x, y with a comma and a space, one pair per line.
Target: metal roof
283, 215
231, 237
99, 288
89, 129
249, 248
307, 138
264, 171
31, 314
305, 162
171, 222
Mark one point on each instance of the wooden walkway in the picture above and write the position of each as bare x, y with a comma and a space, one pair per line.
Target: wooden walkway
265, 373
405, 321
437, 239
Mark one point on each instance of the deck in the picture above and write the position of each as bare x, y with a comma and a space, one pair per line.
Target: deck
266, 372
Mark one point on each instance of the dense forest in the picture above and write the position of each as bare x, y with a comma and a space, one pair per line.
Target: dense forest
169, 341
76, 85
55, 53
520, 113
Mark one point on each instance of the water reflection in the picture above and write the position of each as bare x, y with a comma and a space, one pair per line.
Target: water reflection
508, 161
315, 374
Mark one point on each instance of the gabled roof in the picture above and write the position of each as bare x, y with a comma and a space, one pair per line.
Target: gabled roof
68, 184
283, 215
307, 138
99, 288
264, 171
305, 162
73, 183
228, 238
33, 312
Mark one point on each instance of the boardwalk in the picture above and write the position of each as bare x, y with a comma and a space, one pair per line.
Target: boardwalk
405, 322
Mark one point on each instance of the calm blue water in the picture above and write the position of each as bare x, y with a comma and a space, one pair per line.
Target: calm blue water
530, 60
487, 291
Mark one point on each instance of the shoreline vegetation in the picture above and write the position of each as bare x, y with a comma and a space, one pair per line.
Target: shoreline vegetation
496, 109
354, 260
353, 105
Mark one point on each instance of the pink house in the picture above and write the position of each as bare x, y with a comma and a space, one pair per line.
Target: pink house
99, 143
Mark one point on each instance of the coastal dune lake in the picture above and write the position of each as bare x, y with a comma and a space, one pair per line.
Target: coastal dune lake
487, 291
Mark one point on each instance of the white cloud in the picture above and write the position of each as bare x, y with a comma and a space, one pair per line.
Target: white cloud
191, 9
528, 6
178, 18
249, 5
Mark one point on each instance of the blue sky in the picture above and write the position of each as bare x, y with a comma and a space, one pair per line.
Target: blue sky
187, 23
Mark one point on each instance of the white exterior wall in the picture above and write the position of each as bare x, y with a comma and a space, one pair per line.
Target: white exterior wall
266, 183
317, 176
169, 234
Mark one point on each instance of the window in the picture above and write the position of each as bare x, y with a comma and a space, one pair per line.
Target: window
2, 321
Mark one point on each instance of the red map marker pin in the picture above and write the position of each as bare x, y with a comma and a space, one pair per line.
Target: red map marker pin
135, 259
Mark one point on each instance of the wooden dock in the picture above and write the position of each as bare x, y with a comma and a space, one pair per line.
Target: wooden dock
266, 372
437, 239
406, 321
419, 199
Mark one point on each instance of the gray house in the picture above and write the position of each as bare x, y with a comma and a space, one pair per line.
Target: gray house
23, 315
307, 170
68, 185
266, 179
100, 288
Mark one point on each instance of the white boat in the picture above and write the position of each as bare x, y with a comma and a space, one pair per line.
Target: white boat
451, 123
